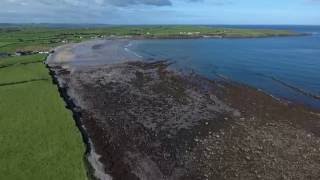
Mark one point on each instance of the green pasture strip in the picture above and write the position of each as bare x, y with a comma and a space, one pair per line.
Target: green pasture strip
38, 136
23, 73
21, 60
4, 43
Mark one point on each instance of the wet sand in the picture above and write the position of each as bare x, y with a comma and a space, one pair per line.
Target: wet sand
92, 53
148, 122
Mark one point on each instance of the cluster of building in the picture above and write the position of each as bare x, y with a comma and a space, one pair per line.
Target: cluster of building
25, 53
190, 33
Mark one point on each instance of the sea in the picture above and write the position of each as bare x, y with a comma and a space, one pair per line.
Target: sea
287, 68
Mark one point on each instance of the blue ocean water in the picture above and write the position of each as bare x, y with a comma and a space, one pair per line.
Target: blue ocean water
286, 67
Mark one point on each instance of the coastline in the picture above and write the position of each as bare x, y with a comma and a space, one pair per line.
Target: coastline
146, 120
218, 36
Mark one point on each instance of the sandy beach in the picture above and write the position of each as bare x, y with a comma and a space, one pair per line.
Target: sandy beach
148, 122
93, 53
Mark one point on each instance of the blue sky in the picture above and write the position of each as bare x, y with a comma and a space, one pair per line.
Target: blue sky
161, 11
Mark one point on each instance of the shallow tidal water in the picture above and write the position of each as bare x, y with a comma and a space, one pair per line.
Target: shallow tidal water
285, 67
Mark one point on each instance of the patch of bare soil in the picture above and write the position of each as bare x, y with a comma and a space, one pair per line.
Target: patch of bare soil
149, 123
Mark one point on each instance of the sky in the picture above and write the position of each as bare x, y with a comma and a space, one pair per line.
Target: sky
298, 12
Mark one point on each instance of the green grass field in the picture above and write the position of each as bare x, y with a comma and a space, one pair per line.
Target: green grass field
4, 43
38, 136
17, 60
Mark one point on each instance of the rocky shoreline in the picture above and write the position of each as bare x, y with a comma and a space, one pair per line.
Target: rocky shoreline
145, 121
150, 123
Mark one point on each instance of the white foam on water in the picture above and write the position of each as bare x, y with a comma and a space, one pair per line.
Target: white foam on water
98, 167
132, 52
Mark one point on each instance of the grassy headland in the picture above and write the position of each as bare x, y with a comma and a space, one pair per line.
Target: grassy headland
37, 133
43, 39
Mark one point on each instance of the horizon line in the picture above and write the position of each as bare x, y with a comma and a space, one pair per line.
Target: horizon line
147, 24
